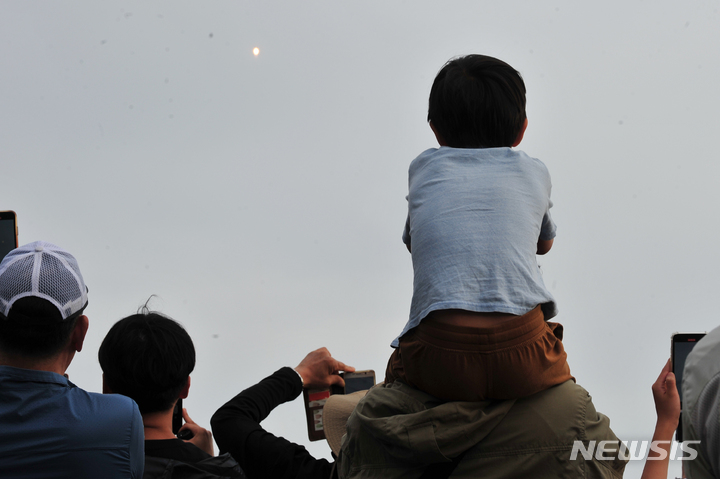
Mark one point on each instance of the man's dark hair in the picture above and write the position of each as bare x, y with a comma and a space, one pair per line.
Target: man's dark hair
147, 357
34, 328
477, 101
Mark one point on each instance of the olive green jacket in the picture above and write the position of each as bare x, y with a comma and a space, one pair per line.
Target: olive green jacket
397, 431
701, 407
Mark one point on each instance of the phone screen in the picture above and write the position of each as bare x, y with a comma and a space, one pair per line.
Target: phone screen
8, 233
358, 383
177, 420
682, 344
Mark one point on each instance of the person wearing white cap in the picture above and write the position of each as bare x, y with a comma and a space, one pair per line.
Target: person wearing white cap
48, 426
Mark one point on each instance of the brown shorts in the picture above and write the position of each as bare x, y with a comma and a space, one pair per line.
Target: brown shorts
509, 357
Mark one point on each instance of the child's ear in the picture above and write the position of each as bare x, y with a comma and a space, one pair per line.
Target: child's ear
438, 136
521, 134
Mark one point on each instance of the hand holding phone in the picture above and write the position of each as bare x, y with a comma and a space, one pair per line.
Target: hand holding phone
196, 434
666, 397
315, 399
319, 370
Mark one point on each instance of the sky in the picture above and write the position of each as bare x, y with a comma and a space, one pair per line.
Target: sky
260, 199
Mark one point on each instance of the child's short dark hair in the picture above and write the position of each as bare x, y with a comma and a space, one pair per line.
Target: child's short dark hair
477, 101
147, 357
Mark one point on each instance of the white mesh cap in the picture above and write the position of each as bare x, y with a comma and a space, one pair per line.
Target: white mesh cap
43, 270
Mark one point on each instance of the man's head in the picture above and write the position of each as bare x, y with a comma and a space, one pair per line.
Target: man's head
42, 295
147, 357
477, 101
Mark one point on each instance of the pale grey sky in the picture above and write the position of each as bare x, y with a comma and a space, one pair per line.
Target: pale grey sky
262, 198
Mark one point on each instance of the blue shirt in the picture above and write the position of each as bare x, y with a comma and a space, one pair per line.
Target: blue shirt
474, 220
51, 428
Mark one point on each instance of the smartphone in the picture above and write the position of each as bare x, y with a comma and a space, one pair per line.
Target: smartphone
681, 345
177, 420
314, 399
355, 381
8, 232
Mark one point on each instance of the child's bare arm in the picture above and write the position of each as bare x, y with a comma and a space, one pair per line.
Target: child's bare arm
543, 246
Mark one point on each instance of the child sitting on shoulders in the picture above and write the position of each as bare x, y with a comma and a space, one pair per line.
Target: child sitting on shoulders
478, 213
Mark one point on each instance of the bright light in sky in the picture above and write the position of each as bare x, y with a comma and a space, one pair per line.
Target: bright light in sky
256, 51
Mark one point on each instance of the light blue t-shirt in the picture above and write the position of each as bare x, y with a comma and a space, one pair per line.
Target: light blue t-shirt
474, 220
51, 428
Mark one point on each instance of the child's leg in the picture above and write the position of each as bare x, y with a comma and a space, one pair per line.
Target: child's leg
506, 358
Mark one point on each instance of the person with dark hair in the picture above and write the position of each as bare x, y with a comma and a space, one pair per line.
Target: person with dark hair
50, 427
149, 357
478, 213
477, 101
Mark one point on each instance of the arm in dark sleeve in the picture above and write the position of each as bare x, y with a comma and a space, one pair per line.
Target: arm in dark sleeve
237, 430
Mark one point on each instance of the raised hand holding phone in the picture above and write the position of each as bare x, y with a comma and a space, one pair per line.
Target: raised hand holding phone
667, 406
200, 436
320, 370
322, 375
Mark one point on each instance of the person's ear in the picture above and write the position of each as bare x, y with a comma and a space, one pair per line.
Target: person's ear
521, 134
438, 136
105, 389
185, 390
77, 337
